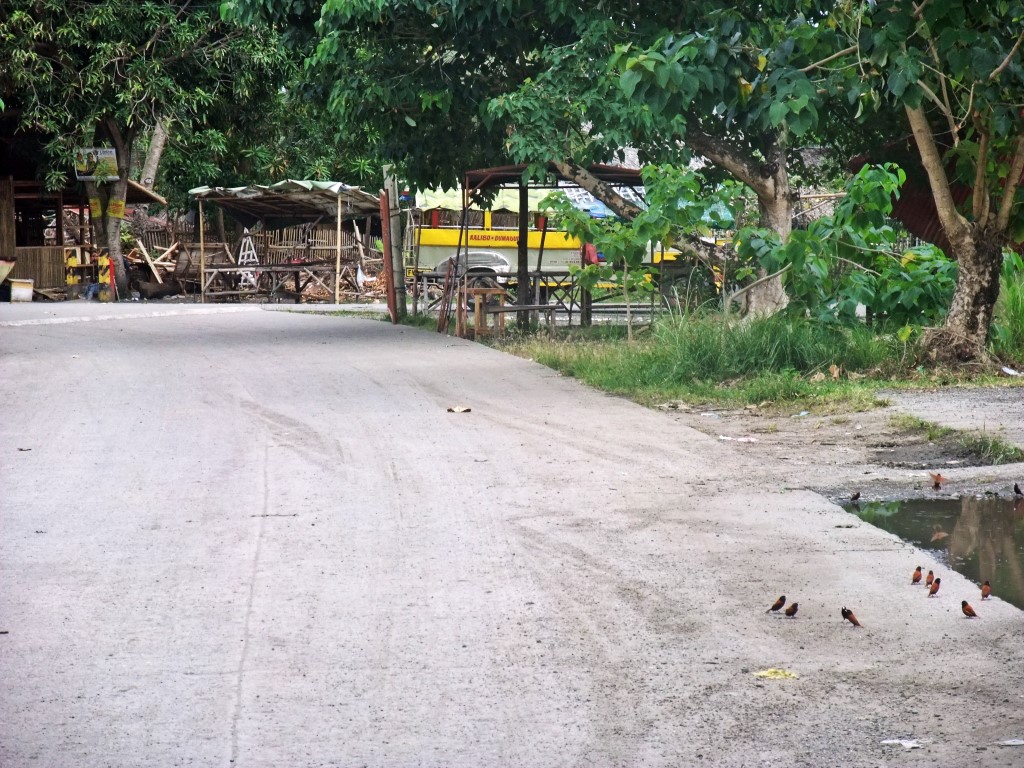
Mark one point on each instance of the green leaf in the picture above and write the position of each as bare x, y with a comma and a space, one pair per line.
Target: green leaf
777, 113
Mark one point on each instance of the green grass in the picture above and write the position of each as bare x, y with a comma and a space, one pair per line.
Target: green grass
782, 361
1007, 337
987, 449
931, 431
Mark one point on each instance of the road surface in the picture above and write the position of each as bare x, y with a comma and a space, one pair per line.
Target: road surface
255, 538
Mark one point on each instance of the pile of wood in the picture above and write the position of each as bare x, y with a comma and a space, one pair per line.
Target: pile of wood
167, 271
162, 267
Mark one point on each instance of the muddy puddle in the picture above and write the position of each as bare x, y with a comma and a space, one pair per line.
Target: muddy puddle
980, 537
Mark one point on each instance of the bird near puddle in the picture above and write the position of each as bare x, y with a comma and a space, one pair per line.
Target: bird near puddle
937, 480
777, 605
791, 611
929, 579
916, 578
986, 590
968, 611
934, 589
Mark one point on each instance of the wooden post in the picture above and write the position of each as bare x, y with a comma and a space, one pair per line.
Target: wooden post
202, 257
523, 272
7, 234
397, 263
337, 256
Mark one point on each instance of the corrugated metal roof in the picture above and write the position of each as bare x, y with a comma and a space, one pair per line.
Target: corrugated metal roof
290, 202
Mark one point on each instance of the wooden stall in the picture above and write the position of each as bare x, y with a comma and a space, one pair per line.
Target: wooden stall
290, 248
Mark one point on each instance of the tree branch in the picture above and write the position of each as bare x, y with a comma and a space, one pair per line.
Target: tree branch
1010, 188
943, 107
980, 187
721, 153
1006, 62
828, 59
599, 189
759, 281
953, 223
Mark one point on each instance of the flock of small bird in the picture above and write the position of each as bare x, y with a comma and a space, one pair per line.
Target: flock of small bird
931, 581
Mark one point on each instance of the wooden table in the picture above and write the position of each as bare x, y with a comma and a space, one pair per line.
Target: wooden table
270, 280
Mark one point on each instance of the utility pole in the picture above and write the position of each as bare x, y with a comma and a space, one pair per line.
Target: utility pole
391, 185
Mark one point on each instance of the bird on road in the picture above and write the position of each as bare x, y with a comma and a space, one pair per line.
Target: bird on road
929, 579
1017, 491
937, 480
968, 611
777, 605
856, 497
848, 615
916, 578
933, 590
986, 590
791, 611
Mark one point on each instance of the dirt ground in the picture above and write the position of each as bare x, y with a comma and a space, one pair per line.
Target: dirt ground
839, 454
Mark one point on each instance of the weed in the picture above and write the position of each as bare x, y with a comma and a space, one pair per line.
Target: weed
905, 422
987, 449
1007, 336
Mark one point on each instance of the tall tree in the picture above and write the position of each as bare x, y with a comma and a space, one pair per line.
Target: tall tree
740, 86
96, 72
955, 70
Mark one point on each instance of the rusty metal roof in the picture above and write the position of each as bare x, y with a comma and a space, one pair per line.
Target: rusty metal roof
290, 202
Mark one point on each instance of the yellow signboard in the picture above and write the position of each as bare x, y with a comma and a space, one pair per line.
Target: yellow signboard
115, 209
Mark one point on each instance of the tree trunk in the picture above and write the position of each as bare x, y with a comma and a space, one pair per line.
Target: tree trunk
111, 197
157, 142
963, 336
776, 210
770, 181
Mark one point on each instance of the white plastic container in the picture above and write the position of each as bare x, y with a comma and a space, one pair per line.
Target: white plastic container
21, 289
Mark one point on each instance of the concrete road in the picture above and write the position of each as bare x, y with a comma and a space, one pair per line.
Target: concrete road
257, 538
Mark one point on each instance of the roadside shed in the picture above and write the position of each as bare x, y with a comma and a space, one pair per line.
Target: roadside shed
35, 226
279, 206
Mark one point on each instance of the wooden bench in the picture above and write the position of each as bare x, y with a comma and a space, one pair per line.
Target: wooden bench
501, 311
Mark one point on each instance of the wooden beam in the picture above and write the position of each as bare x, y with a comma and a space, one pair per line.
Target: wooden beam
152, 266
7, 234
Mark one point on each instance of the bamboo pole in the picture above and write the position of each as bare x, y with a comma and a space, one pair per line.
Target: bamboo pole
337, 255
202, 257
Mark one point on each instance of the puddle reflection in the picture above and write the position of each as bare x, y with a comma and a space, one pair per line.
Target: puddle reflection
982, 538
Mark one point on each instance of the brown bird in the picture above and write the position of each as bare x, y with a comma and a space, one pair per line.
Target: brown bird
933, 590
1017, 491
937, 480
968, 611
929, 579
856, 497
848, 615
916, 578
791, 611
777, 605
986, 590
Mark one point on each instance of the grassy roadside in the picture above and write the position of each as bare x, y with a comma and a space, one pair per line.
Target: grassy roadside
779, 361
